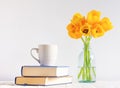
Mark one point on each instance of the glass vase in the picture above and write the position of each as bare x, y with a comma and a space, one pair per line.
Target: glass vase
86, 65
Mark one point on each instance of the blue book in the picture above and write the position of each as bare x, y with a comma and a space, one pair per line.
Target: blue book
45, 71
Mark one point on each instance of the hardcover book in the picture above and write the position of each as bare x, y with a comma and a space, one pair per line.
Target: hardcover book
45, 70
43, 81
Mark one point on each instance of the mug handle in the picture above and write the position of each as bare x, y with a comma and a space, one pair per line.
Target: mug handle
31, 52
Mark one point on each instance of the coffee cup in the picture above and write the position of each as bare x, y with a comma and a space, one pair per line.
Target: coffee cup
46, 54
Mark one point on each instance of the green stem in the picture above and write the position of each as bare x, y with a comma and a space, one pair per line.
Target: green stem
83, 40
80, 72
86, 70
86, 58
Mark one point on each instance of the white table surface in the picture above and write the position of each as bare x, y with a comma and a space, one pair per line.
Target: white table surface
98, 84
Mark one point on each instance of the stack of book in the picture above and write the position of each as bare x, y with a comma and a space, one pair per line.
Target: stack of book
43, 75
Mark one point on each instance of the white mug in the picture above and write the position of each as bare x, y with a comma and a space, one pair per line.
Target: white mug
47, 54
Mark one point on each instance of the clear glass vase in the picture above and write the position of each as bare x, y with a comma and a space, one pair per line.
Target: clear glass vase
86, 66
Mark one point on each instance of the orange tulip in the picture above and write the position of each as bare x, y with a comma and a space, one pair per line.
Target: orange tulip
74, 31
97, 31
76, 18
93, 17
106, 24
85, 30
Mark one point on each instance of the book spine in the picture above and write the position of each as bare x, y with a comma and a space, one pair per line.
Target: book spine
15, 80
22, 71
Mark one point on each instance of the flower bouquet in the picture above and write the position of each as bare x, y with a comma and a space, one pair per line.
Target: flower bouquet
86, 28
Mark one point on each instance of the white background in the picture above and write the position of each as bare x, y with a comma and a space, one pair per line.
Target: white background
26, 23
